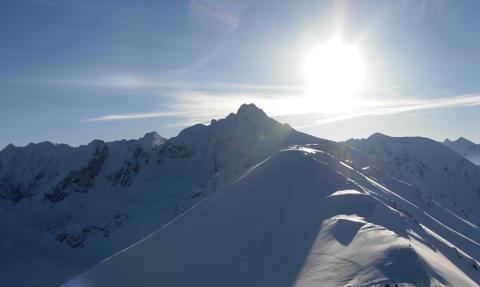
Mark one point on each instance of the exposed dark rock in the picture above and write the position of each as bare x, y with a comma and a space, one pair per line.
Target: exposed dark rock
176, 152
75, 240
125, 175
79, 180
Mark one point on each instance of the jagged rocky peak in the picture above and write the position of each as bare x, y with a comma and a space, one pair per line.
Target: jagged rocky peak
249, 115
249, 131
250, 110
151, 140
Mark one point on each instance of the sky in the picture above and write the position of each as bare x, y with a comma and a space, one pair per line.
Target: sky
73, 71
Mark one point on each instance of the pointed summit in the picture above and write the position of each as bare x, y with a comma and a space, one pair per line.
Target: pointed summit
248, 116
250, 110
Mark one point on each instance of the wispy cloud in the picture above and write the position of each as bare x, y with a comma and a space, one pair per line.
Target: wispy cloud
137, 116
299, 105
408, 105
191, 107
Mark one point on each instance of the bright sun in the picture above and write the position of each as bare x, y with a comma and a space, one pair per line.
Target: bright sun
334, 73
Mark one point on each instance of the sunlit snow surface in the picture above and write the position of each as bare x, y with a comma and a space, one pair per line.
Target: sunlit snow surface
303, 217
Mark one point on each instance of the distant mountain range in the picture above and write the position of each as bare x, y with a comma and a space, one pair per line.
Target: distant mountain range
466, 148
244, 201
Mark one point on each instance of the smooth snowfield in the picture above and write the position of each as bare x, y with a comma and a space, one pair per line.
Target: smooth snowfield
301, 218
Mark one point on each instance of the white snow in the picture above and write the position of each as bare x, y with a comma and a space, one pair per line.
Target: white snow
345, 192
429, 166
294, 221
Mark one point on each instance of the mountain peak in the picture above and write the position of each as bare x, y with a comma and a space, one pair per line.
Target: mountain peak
460, 142
10, 146
151, 139
464, 141
250, 110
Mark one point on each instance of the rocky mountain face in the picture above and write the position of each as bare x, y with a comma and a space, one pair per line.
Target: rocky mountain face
80, 205
466, 148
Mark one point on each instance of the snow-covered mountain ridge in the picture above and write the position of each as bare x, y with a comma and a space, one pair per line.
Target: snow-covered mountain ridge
65, 208
303, 217
431, 167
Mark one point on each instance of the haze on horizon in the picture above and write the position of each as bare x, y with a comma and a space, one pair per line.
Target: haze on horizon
79, 70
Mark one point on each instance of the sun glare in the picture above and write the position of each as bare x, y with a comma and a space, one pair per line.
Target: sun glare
334, 72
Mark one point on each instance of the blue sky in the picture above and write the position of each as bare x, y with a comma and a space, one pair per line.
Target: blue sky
72, 71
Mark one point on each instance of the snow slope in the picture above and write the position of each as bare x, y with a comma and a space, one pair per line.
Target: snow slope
431, 167
303, 217
466, 148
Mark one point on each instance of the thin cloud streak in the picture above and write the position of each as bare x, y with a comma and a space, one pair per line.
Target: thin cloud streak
118, 117
294, 106
408, 106
196, 107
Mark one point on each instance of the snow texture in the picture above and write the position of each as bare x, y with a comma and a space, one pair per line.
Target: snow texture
301, 218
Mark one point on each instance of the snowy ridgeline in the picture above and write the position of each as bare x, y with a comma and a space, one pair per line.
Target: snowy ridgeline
303, 217
383, 209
